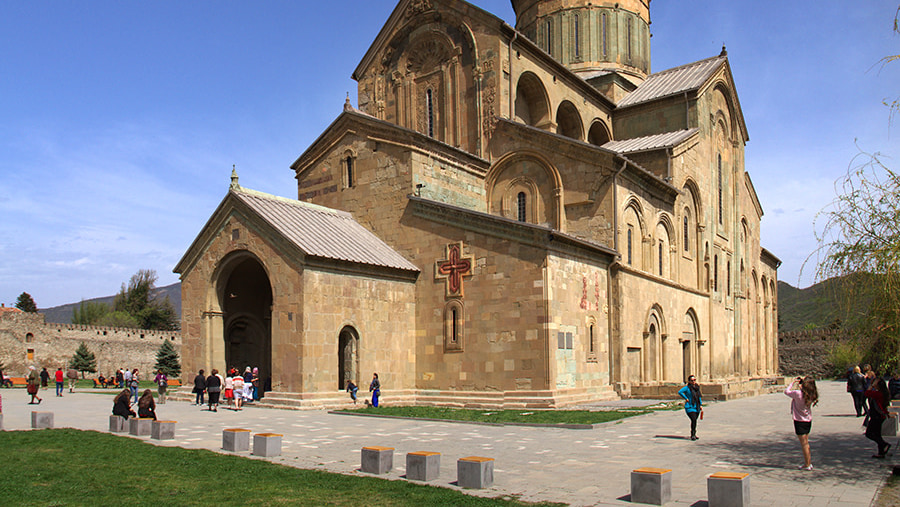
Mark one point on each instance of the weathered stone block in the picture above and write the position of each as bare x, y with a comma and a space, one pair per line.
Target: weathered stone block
41, 420
162, 430
890, 427
267, 444
139, 426
377, 460
236, 439
651, 485
117, 424
728, 489
423, 465
475, 472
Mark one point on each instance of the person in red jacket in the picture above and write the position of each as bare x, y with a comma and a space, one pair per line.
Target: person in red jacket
878, 397
59, 381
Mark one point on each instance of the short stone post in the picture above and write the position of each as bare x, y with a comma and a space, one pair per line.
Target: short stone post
162, 430
651, 485
236, 439
117, 424
475, 472
423, 465
1, 421
267, 444
889, 427
139, 426
728, 489
41, 420
377, 459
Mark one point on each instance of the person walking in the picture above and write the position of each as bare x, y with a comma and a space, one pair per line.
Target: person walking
856, 386
213, 386
33, 385
693, 403
72, 375
237, 390
120, 379
58, 376
134, 383
199, 388
804, 396
45, 377
162, 383
375, 389
878, 397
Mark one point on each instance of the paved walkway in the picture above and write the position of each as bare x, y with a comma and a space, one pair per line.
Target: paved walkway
579, 467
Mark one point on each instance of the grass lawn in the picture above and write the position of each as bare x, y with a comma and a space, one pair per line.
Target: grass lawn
511, 416
73, 467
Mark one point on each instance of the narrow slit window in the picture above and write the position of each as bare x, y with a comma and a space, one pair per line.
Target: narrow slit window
628, 244
687, 242
719, 190
429, 105
660, 258
350, 181
603, 35
522, 207
628, 35
576, 36
716, 273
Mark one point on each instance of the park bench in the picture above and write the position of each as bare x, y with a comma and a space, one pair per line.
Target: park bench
19, 381
173, 382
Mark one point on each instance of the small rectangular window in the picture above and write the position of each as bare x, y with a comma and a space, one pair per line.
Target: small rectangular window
235, 234
561, 340
30, 354
569, 341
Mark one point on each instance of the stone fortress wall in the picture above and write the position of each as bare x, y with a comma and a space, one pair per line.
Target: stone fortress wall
806, 352
26, 339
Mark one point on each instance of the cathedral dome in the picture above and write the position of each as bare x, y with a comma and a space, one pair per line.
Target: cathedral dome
591, 37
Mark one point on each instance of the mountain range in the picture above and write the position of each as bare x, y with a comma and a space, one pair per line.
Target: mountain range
62, 314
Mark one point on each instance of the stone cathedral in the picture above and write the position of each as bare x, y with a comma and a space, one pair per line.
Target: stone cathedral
511, 217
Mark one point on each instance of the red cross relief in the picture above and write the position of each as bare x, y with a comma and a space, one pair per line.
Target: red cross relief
454, 269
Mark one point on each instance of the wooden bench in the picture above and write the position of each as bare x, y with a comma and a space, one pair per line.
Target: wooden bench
173, 382
19, 381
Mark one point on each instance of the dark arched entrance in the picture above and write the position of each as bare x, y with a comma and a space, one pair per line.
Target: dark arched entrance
247, 313
348, 357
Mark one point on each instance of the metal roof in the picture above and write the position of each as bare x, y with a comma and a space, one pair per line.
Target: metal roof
673, 81
322, 232
653, 142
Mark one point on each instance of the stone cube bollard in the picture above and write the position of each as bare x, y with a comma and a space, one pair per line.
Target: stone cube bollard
117, 424
728, 489
1, 421
377, 459
475, 472
162, 430
423, 465
267, 444
139, 426
651, 485
236, 439
41, 420
889, 427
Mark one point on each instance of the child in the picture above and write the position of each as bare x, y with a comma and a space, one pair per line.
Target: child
352, 389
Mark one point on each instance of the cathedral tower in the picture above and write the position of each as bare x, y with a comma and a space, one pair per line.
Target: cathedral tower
605, 42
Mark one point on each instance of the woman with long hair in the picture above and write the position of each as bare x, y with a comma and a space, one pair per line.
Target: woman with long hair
878, 396
146, 405
122, 405
693, 403
804, 395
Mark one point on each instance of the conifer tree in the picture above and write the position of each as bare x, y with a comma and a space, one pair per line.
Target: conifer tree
167, 360
84, 360
26, 303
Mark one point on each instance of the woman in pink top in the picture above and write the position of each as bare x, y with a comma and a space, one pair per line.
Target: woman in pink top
803, 398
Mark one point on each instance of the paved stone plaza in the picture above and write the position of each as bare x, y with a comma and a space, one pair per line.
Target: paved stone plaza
579, 467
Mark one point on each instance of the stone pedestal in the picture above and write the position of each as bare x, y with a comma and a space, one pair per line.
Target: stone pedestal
889, 427
118, 424
475, 472
41, 420
162, 430
139, 426
236, 439
423, 465
1, 422
651, 485
377, 460
728, 489
267, 444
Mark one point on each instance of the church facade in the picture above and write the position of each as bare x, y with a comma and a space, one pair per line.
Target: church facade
510, 217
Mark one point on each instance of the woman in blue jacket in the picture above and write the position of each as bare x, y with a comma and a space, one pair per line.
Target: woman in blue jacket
693, 403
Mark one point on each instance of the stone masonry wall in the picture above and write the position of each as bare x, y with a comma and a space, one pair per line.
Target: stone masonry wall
26, 339
806, 352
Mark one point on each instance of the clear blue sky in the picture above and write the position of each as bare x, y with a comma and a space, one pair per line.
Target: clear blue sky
120, 121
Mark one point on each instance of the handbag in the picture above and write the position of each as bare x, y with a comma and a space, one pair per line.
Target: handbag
32, 388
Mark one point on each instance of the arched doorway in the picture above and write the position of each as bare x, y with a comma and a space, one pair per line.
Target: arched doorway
348, 357
246, 302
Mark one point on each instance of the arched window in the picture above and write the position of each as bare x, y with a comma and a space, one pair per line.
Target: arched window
454, 325
429, 110
603, 35
628, 35
687, 238
628, 241
592, 347
576, 37
349, 162
715, 273
728, 278
548, 36
29, 338
522, 207
660, 258
719, 194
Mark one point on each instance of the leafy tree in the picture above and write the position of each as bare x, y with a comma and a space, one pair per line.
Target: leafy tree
137, 301
859, 243
83, 360
26, 303
118, 319
167, 360
89, 313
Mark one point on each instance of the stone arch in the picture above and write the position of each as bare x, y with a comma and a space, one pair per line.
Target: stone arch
242, 296
348, 356
531, 173
633, 234
690, 343
662, 249
454, 325
654, 346
568, 121
532, 102
599, 133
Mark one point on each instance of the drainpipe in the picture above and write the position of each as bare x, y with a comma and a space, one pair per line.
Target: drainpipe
613, 313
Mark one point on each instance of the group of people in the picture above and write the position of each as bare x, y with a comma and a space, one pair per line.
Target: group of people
872, 396
374, 388
146, 405
236, 388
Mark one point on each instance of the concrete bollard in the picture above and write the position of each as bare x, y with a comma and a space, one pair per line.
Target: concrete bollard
889, 427
117, 424
139, 426
41, 420
475, 472
651, 485
728, 489
236, 439
162, 430
377, 459
423, 465
267, 444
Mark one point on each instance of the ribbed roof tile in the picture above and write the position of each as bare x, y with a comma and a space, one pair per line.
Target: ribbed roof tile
673, 81
654, 142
